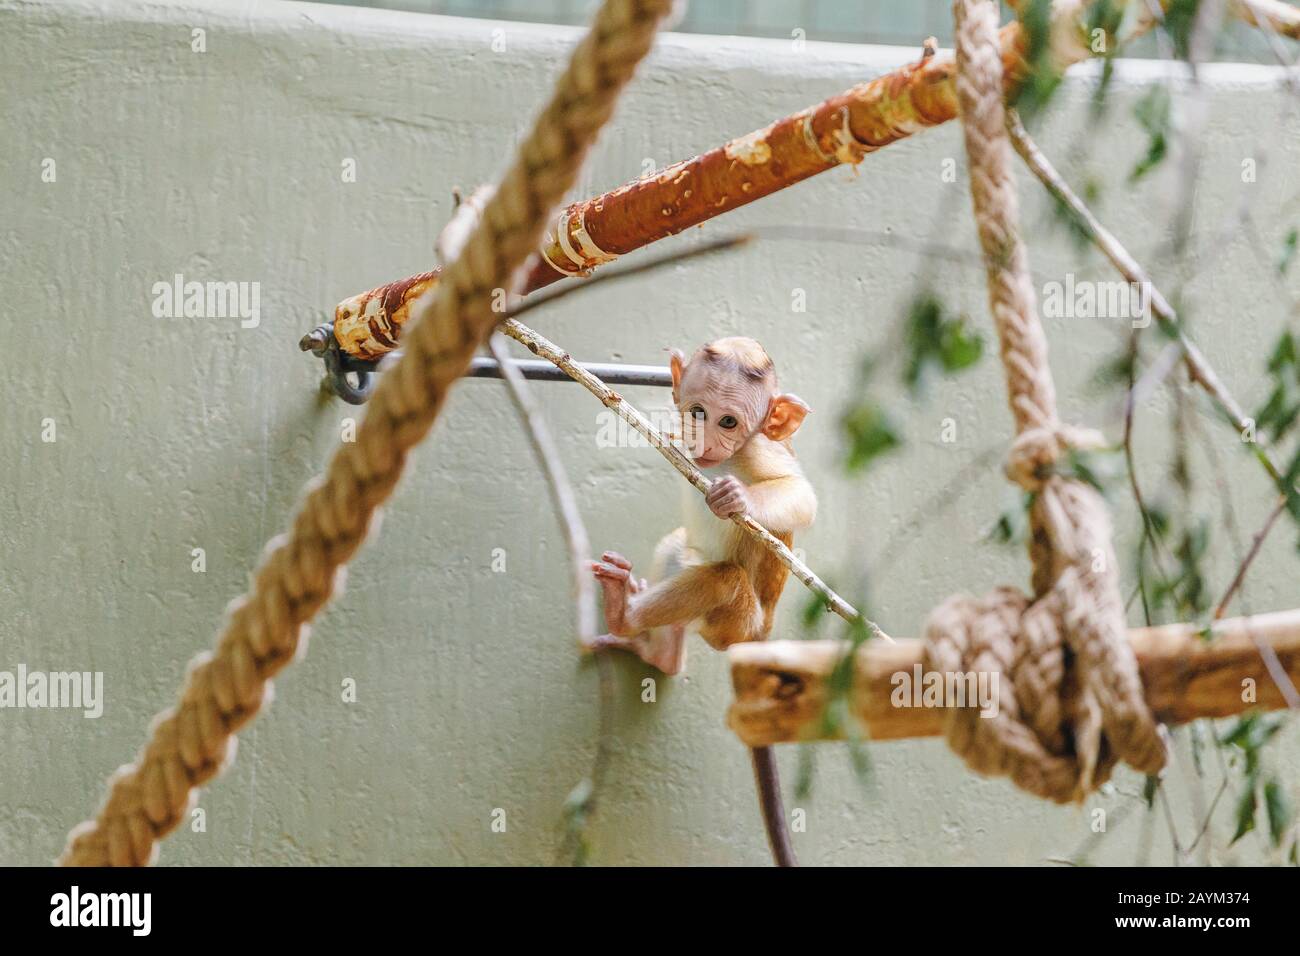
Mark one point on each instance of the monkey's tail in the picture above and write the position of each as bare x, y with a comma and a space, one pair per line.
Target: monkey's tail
767, 782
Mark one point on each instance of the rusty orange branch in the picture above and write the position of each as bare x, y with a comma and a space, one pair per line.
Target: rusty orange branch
841, 129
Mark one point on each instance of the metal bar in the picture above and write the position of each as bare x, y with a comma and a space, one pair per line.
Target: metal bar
484, 366
543, 371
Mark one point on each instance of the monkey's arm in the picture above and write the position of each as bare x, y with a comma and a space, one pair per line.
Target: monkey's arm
782, 504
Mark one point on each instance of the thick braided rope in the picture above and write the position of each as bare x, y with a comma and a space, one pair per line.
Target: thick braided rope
1070, 700
223, 690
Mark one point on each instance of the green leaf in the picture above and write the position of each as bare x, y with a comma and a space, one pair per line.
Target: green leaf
1283, 355
1245, 813
1281, 409
803, 782
1249, 735
1153, 112
1280, 812
1012, 526
1107, 16
1099, 468
1159, 521
1252, 731
1043, 76
870, 433
936, 339
1149, 789
1179, 22
960, 346
1114, 371
1288, 251
814, 611
859, 759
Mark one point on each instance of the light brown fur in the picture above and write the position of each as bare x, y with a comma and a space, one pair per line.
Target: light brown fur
709, 572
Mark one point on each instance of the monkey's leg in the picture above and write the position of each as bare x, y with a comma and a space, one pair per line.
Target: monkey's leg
668, 643
736, 620
661, 647
718, 595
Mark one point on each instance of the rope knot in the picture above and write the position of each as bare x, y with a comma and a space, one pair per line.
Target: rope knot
1036, 450
1066, 704
1067, 701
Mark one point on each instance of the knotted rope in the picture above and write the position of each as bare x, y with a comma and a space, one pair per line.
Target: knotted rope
1070, 701
191, 743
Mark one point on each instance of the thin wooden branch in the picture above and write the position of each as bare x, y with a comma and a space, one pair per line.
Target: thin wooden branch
539, 345
557, 481
1256, 543
581, 803
781, 687
465, 217
1198, 367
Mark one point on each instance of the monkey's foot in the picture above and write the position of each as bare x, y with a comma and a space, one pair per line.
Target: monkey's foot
663, 648
614, 573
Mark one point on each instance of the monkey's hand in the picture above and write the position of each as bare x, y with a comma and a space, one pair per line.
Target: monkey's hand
727, 496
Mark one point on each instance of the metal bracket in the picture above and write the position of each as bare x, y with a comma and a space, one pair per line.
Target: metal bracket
321, 343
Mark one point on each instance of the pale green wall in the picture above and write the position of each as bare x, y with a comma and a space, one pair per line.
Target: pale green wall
176, 434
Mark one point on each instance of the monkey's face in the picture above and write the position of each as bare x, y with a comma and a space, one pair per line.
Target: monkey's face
720, 412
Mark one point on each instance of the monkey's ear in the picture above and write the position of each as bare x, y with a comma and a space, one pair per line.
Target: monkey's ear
785, 413
676, 363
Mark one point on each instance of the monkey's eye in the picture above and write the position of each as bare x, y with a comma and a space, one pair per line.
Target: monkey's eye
728, 422
697, 413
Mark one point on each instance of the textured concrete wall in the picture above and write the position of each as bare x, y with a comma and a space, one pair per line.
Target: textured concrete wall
176, 434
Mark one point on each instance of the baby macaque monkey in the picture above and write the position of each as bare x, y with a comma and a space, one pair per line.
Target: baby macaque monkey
736, 425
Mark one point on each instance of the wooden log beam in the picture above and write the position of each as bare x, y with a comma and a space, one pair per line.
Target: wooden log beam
781, 686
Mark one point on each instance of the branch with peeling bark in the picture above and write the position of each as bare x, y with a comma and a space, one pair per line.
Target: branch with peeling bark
841, 129
782, 687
